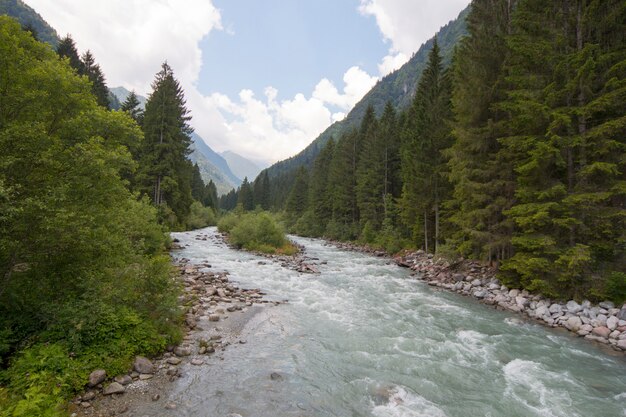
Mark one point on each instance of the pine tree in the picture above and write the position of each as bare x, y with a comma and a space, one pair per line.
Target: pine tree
426, 135
482, 178
166, 171
569, 147
95, 75
262, 191
298, 199
341, 186
320, 196
67, 49
245, 196
132, 106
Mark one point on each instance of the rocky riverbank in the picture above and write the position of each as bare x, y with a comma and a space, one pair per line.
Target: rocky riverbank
603, 323
216, 312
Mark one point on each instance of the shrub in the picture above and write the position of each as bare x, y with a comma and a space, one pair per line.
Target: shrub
200, 216
257, 231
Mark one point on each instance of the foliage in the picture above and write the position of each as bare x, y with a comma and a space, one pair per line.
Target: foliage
200, 216
256, 231
83, 282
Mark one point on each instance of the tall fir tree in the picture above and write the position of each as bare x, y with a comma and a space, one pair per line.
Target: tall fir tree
67, 49
298, 199
261, 190
426, 135
245, 196
166, 173
482, 177
98, 83
320, 196
569, 148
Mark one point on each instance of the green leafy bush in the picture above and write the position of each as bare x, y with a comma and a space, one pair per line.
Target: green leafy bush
200, 216
256, 231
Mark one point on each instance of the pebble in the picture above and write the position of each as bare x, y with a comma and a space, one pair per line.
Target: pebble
114, 388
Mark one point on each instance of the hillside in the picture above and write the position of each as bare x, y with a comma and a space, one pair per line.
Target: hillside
30, 18
397, 87
241, 167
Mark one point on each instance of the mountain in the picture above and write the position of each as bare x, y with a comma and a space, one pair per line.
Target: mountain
241, 167
122, 94
31, 19
397, 87
212, 166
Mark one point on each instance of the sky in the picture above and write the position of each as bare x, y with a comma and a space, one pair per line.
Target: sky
262, 78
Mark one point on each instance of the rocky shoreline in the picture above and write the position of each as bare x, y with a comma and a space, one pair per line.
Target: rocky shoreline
216, 312
603, 323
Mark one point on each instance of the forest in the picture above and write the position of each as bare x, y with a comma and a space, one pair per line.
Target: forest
514, 154
87, 197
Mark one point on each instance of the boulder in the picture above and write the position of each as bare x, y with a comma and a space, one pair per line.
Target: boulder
182, 351
622, 314
143, 365
573, 307
513, 293
114, 388
480, 294
555, 308
574, 323
606, 305
612, 322
521, 301
601, 331
541, 311
97, 377
458, 277
173, 361
621, 344
123, 379
476, 283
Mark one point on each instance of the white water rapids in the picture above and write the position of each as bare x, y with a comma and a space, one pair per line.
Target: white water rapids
363, 338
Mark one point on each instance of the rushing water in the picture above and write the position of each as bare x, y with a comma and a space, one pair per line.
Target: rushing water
363, 338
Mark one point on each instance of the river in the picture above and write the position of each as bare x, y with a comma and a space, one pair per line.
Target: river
363, 338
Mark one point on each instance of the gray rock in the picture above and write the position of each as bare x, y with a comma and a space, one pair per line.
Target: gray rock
143, 365
182, 351
476, 283
214, 317
97, 377
555, 308
480, 294
89, 395
114, 388
601, 319
145, 377
197, 362
622, 313
573, 307
615, 334
574, 323
621, 344
597, 339
521, 301
513, 293
541, 311
606, 305
458, 277
173, 361
458, 286
123, 379
611, 322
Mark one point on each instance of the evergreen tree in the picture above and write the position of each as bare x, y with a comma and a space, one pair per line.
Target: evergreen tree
427, 134
262, 191
298, 199
482, 177
569, 147
67, 49
320, 196
341, 186
166, 171
95, 75
377, 173
245, 196
132, 106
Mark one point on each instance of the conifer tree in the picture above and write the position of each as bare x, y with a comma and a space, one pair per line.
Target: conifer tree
166, 172
131, 106
320, 196
245, 196
482, 178
427, 134
67, 49
298, 199
262, 191
342, 184
98, 84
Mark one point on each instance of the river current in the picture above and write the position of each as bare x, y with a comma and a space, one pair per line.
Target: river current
364, 338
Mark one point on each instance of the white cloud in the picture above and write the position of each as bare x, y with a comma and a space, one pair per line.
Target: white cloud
130, 39
406, 24
357, 83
